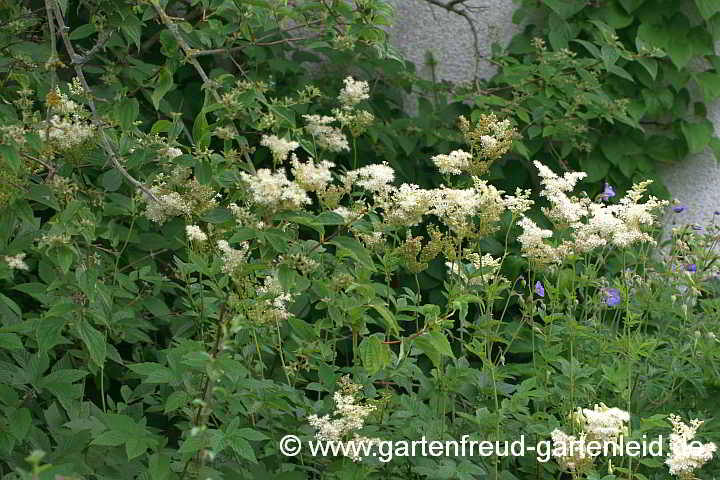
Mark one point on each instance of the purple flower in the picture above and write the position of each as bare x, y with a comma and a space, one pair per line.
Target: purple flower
539, 289
608, 192
679, 208
691, 267
717, 212
612, 296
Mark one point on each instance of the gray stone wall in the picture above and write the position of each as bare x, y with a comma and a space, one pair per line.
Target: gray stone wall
459, 48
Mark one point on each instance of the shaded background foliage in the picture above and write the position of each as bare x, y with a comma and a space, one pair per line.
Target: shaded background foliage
104, 346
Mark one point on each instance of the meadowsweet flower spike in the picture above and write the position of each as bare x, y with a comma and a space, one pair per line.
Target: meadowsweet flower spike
195, 234
453, 163
349, 417
686, 455
279, 147
17, 262
354, 92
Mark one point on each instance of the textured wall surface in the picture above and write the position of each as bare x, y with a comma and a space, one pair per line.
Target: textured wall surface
422, 27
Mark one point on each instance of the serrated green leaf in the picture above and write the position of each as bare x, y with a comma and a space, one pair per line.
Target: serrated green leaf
126, 111
94, 341
163, 85
201, 131
20, 423
374, 354
355, 249
83, 31
110, 438
10, 341
389, 319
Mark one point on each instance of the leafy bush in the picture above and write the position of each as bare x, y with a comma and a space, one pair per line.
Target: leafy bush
204, 251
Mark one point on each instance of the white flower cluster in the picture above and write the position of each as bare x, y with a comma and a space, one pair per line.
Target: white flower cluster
567, 451
406, 204
274, 307
348, 417
168, 205
67, 132
17, 262
279, 147
195, 234
456, 207
375, 177
520, 202
592, 225
233, 258
687, 455
354, 92
482, 269
499, 141
311, 176
274, 190
600, 424
326, 136
171, 152
67, 127
453, 163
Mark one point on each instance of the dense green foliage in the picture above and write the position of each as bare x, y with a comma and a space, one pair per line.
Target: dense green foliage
614, 88
178, 293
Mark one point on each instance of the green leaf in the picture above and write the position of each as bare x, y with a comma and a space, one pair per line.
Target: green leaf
595, 166
10, 341
111, 180
201, 131
715, 146
161, 126
651, 65
355, 249
710, 84
435, 345
374, 354
154, 372
389, 319
83, 31
126, 112
250, 434
697, 135
20, 423
134, 447
159, 467
707, 8
94, 341
649, 34
612, 14
163, 85
111, 438
565, 8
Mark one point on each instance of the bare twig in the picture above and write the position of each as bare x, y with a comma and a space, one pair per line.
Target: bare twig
198, 53
77, 61
459, 7
48, 165
103, 37
173, 28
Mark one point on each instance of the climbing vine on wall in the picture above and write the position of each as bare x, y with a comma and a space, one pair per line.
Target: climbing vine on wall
611, 87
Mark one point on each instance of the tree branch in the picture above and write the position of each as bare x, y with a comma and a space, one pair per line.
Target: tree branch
77, 64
